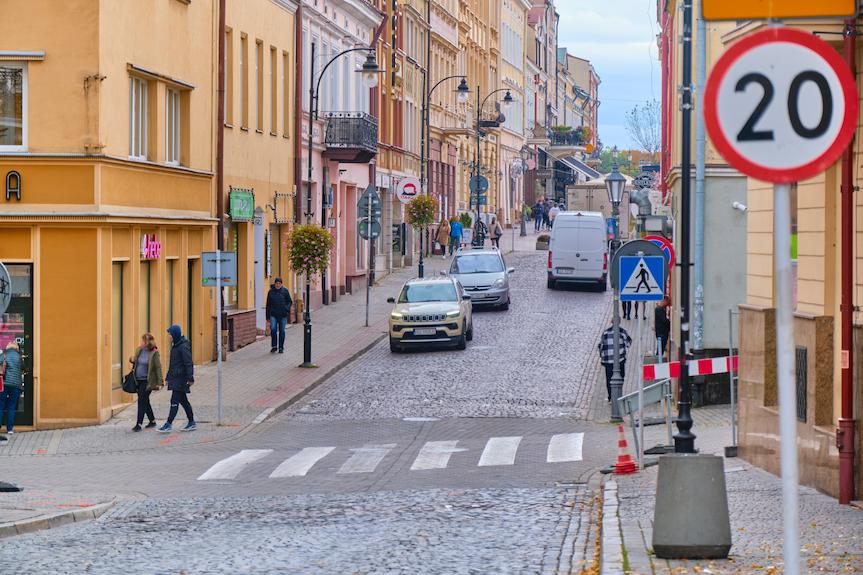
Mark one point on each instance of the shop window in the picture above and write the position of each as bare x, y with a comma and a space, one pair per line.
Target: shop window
13, 106
170, 270
117, 325
138, 118
231, 293
144, 303
190, 298
172, 126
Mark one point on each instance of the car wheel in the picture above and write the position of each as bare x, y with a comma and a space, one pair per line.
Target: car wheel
469, 335
550, 283
394, 348
461, 342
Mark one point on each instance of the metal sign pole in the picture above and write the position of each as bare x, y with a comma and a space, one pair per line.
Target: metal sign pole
218, 337
640, 396
785, 374
369, 270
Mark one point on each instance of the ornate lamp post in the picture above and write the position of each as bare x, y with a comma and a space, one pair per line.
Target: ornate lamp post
507, 102
614, 185
369, 73
462, 94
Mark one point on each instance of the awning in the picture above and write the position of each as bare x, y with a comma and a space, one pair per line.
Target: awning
577, 166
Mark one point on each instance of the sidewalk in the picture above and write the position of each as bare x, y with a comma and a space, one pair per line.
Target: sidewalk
24, 512
831, 535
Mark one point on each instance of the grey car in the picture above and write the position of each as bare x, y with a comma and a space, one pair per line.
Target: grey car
484, 276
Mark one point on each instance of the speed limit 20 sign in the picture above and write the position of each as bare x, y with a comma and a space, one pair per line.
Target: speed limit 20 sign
781, 105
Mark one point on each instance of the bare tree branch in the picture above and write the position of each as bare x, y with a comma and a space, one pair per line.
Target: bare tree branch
643, 126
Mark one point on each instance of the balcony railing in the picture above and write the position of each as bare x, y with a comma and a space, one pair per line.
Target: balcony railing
565, 138
351, 137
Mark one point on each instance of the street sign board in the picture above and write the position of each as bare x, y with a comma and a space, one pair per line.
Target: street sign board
228, 268
478, 184
633, 248
5, 289
369, 231
370, 196
479, 200
781, 105
642, 278
776, 9
407, 189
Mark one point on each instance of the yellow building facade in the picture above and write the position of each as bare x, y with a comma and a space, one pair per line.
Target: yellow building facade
260, 147
108, 140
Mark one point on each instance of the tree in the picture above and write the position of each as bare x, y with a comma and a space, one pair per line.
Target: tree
643, 123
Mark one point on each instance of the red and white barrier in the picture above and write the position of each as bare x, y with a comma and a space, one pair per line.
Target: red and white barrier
697, 367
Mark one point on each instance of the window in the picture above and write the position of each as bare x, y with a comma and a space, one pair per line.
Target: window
13, 106
170, 267
259, 81
117, 325
229, 76
172, 126
286, 94
244, 81
138, 118
144, 298
274, 92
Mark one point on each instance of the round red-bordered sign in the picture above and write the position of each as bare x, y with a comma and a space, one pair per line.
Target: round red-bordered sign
758, 105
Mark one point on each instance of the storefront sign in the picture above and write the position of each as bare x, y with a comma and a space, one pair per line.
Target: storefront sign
13, 185
241, 204
151, 248
777, 9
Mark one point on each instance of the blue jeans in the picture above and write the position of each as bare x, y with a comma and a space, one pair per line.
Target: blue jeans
277, 331
9, 405
454, 244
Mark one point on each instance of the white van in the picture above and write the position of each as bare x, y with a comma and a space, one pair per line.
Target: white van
578, 250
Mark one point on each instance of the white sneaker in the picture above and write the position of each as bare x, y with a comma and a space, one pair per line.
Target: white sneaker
10, 433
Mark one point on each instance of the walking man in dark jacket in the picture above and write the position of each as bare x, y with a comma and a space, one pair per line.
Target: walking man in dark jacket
662, 325
606, 354
180, 377
279, 304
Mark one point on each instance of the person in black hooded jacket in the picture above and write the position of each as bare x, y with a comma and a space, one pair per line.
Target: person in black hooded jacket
279, 304
180, 377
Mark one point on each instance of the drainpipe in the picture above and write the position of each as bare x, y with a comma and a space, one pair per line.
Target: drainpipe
220, 133
845, 435
298, 113
700, 142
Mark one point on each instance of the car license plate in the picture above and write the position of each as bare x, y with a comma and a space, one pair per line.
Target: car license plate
425, 331
565, 270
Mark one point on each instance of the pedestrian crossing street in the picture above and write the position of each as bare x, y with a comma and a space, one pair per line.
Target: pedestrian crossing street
498, 451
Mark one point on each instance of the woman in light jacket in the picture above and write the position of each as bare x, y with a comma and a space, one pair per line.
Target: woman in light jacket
12, 369
148, 372
442, 236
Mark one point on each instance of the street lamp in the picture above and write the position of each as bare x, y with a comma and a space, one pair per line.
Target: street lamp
523, 154
507, 102
425, 129
614, 185
369, 72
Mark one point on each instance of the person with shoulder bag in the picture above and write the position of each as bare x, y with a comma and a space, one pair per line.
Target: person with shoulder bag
442, 236
147, 369
180, 378
496, 232
12, 368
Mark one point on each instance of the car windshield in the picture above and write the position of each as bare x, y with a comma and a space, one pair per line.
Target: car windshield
477, 264
418, 293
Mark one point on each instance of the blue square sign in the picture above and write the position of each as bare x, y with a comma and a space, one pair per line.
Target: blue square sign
642, 278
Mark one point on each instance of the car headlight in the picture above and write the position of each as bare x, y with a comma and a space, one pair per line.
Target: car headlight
454, 313
397, 315
499, 283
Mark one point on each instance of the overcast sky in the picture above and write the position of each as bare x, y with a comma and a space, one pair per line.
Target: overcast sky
619, 38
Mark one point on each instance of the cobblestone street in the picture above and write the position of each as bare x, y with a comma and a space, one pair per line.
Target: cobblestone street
472, 461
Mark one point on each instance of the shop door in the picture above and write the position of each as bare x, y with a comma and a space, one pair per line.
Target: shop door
17, 324
260, 282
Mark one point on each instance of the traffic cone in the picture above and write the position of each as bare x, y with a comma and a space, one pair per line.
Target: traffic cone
624, 464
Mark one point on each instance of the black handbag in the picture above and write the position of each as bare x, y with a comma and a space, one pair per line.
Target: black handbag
130, 384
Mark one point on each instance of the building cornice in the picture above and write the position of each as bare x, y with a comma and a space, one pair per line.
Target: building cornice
289, 5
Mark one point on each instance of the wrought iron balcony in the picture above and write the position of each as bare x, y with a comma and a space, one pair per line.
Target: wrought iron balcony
351, 137
566, 139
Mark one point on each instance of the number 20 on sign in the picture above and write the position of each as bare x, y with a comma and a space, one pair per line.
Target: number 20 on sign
780, 105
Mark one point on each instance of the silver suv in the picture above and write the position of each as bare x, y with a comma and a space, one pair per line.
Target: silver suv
484, 275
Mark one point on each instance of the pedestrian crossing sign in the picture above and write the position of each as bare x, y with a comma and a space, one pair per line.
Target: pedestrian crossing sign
642, 278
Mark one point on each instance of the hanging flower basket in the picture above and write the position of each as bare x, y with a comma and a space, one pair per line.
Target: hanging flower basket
308, 247
421, 211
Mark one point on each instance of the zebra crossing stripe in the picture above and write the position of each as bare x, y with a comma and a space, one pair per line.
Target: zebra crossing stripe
299, 464
565, 447
366, 458
435, 455
230, 467
499, 451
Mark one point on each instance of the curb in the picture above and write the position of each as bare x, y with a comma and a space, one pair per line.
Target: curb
54, 520
612, 558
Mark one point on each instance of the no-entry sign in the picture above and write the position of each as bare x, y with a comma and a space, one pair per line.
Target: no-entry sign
780, 105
